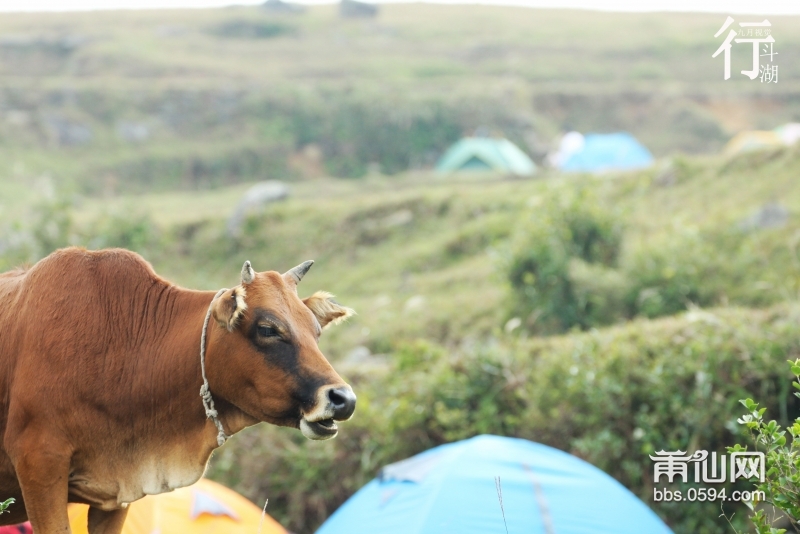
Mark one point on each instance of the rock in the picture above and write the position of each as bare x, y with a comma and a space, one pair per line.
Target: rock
351, 9
133, 132
414, 303
254, 201
18, 117
170, 30
398, 218
771, 215
60, 45
667, 175
359, 354
278, 6
360, 361
66, 132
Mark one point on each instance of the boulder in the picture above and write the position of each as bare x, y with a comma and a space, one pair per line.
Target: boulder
254, 201
351, 9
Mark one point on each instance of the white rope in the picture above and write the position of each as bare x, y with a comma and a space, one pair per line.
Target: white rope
205, 392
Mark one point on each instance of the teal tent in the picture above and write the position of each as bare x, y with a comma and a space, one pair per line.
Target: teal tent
486, 154
493, 485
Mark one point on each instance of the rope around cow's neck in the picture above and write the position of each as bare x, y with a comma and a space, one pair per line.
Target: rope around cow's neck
205, 393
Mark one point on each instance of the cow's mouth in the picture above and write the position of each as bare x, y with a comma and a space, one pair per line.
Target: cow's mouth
318, 430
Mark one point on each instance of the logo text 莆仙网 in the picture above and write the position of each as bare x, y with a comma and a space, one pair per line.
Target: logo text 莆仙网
711, 469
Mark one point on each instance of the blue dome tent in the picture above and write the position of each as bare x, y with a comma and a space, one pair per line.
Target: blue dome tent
603, 152
452, 488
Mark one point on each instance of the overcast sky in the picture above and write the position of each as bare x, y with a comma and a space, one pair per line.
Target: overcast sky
717, 6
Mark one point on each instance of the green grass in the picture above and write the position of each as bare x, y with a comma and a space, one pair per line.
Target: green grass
522, 72
418, 255
16, 197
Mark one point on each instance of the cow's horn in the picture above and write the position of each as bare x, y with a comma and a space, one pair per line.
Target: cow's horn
296, 274
247, 273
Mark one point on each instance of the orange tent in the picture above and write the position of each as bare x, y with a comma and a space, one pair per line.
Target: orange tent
752, 140
203, 508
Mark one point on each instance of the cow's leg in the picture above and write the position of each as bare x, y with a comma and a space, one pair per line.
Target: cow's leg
106, 522
43, 471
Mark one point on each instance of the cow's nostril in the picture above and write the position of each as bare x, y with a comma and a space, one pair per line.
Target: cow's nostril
343, 401
336, 398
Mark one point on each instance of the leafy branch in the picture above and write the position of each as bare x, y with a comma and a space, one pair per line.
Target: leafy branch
781, 486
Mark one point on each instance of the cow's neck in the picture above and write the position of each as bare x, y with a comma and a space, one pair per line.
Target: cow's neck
183, 322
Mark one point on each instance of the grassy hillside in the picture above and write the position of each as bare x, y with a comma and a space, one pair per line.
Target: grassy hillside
405, 44
421, 258
421, 255
93, 100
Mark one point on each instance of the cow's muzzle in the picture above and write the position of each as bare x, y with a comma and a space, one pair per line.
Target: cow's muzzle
334, 403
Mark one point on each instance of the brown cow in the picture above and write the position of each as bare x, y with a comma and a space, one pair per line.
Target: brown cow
100, 372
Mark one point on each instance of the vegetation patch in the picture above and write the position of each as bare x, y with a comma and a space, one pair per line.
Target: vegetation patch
250, 29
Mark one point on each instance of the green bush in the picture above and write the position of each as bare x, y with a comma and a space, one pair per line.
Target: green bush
250, 29
196, 170
707, 268
781, 486
354, 131
53, 226
548, 261
567, 268
133, 232
668, 277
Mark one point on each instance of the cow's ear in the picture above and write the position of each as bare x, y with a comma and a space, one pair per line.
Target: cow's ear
326, 310
229, 307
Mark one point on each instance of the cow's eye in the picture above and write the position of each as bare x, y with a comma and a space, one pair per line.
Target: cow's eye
267, 331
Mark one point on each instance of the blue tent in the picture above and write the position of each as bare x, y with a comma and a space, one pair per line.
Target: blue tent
452, 488
602, 152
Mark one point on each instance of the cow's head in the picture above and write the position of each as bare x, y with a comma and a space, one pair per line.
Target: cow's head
266, 360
